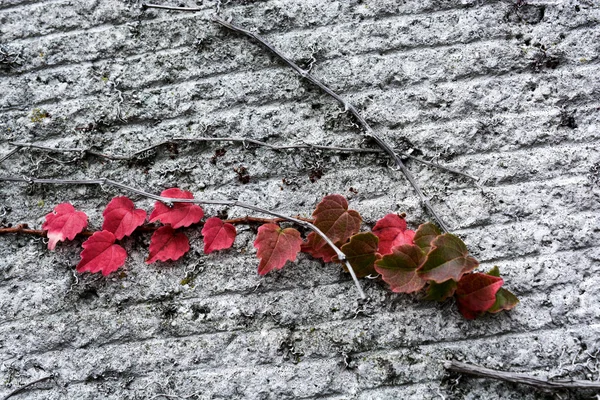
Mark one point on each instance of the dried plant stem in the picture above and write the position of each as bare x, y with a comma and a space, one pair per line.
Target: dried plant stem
22, 388
9, 154
24, 229
169, 201
142, 152
514, 377
349, 108
369, 132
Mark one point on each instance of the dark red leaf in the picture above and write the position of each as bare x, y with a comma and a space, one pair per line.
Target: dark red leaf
217, 235
167, 244
399, 269
121, 217
447, 259
64, 223
325, 253
100, 254
361, 253
334, 219
181, 214
476, 293
276, 246
425, 235
440, 291
391, 231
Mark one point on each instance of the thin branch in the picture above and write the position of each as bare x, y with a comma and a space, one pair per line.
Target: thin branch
524, 379
349, 108
369, 132
304, 146
9, 154
22, 388
169, 201
23, 229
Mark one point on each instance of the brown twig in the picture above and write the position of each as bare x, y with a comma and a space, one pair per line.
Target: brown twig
515, 377
23, 229
169, 201
244, 141
22, 388
349, 108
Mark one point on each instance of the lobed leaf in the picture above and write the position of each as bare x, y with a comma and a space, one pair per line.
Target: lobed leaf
361, 253
399, 269
121, 217
392, 231
476, 293
167, 244
217, 235
334, 219
447, 259
326, 253
65, 222
181, 214
440, 291
101, 254
276, 246
425, 234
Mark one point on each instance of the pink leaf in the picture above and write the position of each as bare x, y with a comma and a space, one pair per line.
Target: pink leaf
167, 244
121, 217
64, 223
100, 254
276, 246
181, 214
391, 231
217, 235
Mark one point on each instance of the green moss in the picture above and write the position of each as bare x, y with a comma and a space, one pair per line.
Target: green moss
38, 115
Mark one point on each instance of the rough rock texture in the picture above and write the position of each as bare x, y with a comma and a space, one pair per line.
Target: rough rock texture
508, 92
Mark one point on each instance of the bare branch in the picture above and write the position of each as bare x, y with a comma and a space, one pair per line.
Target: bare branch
514, 377
9, 154
304, 146
169, 201
368, 131
22, 388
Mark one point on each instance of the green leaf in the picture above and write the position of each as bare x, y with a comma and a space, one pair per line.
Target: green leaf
399, 269
425, 235
441, 291
447, 259
361, 253
494, 271
505, 300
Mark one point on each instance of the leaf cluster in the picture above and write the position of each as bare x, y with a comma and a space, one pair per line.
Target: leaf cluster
408, 261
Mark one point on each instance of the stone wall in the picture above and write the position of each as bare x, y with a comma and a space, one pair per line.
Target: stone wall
507, 92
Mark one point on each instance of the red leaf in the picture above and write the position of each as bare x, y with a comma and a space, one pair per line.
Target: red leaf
167, 244
100, 254
64, 223
217, 235
121, 217
181, 214
476, 293
391, 231
325, 253
276, 246
399, 269
505, 300
361, 253
334, 219
447, 259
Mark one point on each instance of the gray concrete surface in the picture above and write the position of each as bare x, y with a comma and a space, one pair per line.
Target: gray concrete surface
508, 93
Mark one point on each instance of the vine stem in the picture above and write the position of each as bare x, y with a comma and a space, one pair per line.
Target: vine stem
514, 377
169, 202
24, 387
25, 230
349, 108
139, 153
